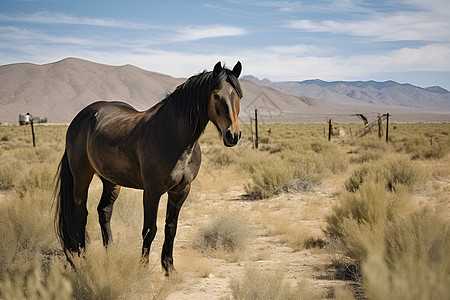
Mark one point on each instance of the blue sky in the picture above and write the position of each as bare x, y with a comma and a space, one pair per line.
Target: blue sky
401, 40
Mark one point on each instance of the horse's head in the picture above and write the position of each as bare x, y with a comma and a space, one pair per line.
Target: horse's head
223, 108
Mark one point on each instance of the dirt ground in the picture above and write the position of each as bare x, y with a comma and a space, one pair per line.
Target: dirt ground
208, 276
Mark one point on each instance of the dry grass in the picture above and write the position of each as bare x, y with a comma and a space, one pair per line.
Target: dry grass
402, 250
380, 224
390, 172
228, 232
258, 284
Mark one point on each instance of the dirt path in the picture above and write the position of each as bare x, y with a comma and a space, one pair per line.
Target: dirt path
269, 249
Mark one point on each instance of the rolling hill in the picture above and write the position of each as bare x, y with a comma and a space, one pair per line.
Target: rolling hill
59, 90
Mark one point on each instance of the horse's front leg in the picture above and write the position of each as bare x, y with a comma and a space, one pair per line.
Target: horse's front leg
151, 203
175, 201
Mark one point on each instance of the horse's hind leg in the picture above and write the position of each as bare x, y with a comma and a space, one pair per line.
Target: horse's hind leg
80, 192
174, 203
105, 209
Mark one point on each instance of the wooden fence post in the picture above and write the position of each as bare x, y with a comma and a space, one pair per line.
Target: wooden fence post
387, 128
330, 129
32, 132
251, 132
379, 126
256, 128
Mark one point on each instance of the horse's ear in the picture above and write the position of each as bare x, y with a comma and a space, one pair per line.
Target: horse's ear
237, 69
217, 69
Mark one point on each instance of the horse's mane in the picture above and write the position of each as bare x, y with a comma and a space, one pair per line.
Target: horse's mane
191, 98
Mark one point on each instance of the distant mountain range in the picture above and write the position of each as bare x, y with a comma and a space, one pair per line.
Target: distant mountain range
59, 90
388, 93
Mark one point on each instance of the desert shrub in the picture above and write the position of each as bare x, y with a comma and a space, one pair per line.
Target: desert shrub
359, 217
322, 146
431, 144
36, 177
269, 174
414, 263
9, 173
308, 171
402, 251
402, 172
365, 173
221, 156
429, 152
115, 273
390, 172
335, 162
271, 285
367, 156
26, 228
36, 283
227, 232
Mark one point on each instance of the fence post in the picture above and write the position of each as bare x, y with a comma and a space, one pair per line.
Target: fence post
379, 126
251, 132
387, 128
256, 128
32, 132
330, 129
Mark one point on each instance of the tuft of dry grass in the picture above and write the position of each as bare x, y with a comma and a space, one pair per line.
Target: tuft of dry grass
391, 172
402, 251
228, 232
115, 273
258, 284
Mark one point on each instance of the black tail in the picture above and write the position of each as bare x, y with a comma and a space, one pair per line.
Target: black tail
70, 236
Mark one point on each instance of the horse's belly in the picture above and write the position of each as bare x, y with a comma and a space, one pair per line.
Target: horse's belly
117, 167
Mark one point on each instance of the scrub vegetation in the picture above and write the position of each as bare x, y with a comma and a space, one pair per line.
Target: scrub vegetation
378, 211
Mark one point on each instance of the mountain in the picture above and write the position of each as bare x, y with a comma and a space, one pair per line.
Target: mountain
61, 89
388, 93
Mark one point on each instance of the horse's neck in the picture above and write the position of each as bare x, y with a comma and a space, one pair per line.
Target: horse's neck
185, 126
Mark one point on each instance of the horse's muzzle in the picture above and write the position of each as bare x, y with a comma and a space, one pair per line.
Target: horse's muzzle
230, 139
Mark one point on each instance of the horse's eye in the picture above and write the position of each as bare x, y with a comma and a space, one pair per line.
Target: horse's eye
216, 97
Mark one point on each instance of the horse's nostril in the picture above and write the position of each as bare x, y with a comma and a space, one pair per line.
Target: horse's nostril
240, 134
228, 135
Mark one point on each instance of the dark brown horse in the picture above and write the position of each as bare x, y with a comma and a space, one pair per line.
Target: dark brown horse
155, 150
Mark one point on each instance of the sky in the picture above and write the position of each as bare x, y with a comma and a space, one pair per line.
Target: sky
407, 41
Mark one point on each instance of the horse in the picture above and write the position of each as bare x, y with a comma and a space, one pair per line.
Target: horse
156, 150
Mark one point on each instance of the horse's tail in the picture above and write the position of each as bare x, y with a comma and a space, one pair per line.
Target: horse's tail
65, 220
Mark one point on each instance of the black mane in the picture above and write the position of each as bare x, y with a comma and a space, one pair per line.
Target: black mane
191, 98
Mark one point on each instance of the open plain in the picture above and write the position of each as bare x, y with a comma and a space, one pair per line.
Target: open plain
298, 218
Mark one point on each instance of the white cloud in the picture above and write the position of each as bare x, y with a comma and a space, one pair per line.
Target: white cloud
396, 27
45, 17
210, 31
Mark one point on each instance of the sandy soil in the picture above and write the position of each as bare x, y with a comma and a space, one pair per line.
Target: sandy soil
202, 276
215, 191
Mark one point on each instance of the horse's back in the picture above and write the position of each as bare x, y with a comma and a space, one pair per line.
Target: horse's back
103, 137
